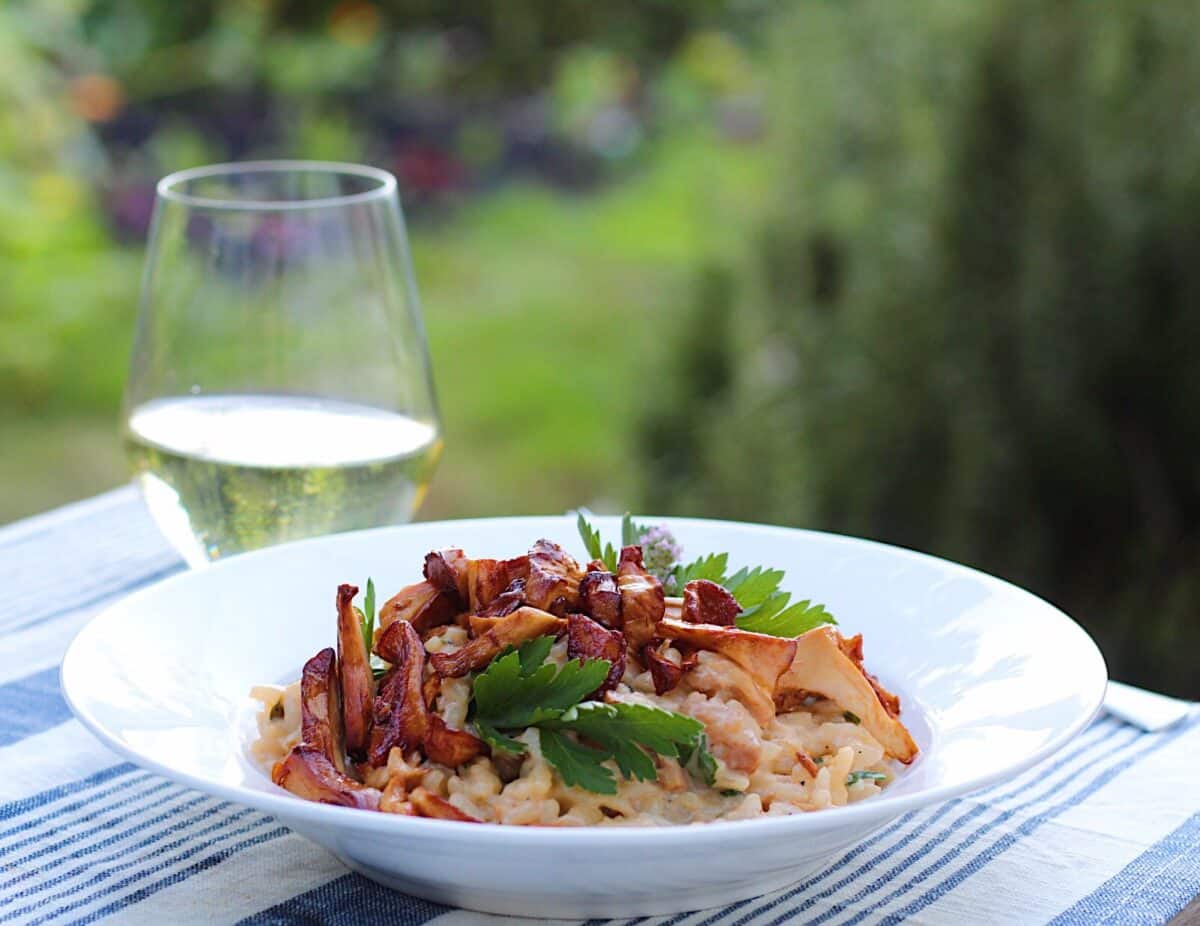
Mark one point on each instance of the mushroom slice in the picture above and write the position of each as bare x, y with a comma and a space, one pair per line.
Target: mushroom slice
553, 583
706, 602
764, 657
600, 598
487, 578
391, 644
428, 804
307, 773
422, 604
448, 746
523, 624
479, 625
431, 688
506, 602
401, 718
448, 570
358, 684
665, 671
321, 707
588, 640
718, 676
853, 648
822, 667
642, 600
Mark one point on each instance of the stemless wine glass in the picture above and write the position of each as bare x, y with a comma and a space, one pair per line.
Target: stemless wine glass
280, 384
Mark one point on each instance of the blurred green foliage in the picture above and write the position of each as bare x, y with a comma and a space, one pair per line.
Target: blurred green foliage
967, 323
493, 116
63, 293
943, 289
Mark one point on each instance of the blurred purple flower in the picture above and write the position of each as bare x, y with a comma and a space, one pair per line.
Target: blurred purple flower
660, 552
130, 206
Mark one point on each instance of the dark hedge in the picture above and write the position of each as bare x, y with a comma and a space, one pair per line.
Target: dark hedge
969, 322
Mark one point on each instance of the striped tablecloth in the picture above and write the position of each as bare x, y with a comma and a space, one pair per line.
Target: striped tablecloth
1107, 831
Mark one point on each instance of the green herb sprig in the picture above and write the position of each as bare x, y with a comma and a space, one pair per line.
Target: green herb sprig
591, 541
520, 689
366, 618
765, 608
711, 567
366, 614
631, 535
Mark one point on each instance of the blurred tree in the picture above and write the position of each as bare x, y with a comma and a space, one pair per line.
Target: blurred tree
970, 323
60, 290
474, 48
99, 98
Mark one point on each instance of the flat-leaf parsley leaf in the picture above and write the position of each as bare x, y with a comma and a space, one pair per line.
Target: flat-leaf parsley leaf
517, 691
520, 689
591, 541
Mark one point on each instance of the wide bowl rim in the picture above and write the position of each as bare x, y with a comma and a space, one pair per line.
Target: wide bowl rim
287, 807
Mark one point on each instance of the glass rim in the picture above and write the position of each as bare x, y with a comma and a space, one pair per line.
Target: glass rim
167, 188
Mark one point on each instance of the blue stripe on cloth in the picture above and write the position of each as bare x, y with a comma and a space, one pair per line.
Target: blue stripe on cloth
24, 538
1008, 840
105, 545
1094, 738
82, 852
14, 809
1048, 787
154, 887
1053, 778
53, 521
1151, 889
889, 878
31, 705
213, 833
100, 596
103, 812
347, 901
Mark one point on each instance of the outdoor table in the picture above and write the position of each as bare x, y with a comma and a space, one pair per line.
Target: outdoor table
1105, 831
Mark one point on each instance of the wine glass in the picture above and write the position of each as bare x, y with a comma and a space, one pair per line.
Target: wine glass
280, 384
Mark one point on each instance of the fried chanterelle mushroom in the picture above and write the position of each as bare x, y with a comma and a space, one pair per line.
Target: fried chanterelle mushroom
393, 716
822, 667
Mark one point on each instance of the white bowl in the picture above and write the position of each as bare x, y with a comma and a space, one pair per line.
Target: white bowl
992, 679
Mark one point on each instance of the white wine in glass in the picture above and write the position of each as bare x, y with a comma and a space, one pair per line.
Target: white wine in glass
280, 385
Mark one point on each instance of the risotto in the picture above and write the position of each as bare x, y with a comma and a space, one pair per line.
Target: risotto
539, 691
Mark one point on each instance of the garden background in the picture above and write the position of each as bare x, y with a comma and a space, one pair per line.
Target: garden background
924, 272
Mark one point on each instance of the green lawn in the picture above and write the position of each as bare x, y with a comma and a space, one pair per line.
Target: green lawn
542, 310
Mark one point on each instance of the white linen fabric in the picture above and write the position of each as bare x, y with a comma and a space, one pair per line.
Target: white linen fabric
1105, 831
